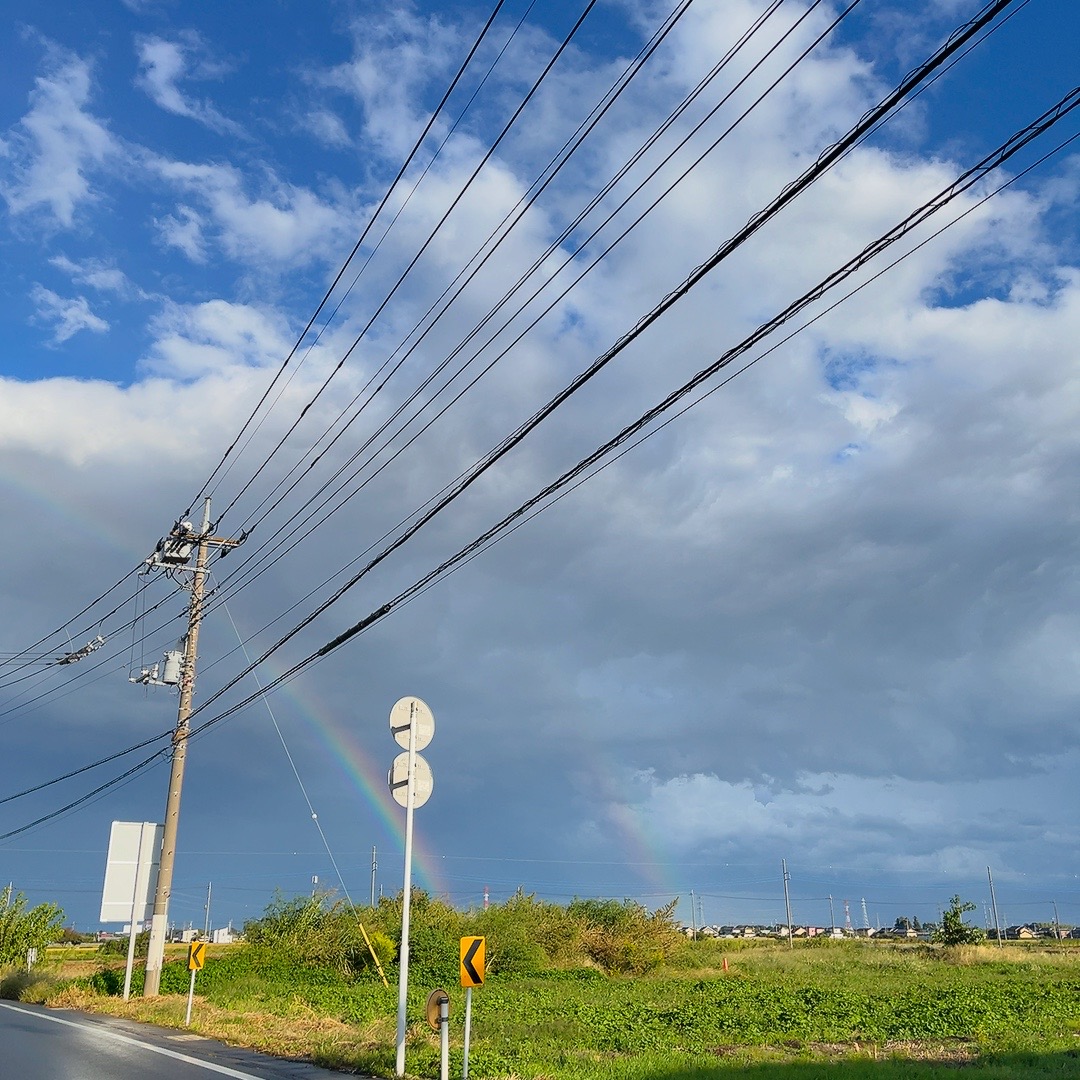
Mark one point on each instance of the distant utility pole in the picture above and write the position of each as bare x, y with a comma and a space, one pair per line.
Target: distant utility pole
374, 867
993, 905
787, 903
175, 551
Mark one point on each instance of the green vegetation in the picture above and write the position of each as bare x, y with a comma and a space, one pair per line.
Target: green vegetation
23, 929
605, 990
953, 929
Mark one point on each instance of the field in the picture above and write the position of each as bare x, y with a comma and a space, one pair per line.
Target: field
852, 1010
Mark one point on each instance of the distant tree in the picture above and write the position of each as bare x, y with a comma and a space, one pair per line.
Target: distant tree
915, 924
22, 928
953, 929
118, 946
902, 925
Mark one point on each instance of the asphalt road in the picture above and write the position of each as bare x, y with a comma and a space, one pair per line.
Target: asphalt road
59, 1044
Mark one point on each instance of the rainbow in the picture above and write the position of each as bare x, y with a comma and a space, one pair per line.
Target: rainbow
369, 778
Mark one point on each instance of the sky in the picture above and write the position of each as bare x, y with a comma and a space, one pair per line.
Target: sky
826, 616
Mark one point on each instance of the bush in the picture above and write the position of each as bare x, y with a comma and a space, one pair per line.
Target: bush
119, 946
953, 929
625, 938
31, 986
23, 929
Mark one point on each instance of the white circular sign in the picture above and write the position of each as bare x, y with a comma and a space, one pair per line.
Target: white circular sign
423, 781
407, 712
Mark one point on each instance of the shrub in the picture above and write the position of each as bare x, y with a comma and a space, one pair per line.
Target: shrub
22, 929
625, 938
953, 929
31, 986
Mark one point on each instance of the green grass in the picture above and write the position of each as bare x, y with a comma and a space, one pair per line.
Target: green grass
847, 1010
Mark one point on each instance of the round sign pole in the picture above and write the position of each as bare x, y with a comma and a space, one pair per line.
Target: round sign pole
420, 722
403, 969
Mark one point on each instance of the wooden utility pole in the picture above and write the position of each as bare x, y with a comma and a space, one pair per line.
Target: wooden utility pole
158, 925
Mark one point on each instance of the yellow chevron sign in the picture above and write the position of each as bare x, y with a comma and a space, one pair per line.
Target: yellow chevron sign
196, 955
472, 961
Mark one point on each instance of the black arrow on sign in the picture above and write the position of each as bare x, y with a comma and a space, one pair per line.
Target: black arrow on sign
467, 961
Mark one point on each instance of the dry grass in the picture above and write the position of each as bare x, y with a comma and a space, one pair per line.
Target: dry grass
300, 1035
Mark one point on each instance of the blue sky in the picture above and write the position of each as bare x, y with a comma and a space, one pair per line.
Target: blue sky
826, 616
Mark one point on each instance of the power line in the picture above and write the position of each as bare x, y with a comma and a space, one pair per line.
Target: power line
363, 236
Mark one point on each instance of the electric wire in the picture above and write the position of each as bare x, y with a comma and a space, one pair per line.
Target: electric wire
498, 235
479, 259
1051, 117
824, 161
972, 176
363, 236
283, 547
290, 545
293, 767
431, 236
1070, 102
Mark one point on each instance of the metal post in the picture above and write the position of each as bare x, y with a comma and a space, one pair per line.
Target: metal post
374, 867
787, 904
993, 904
206, 931
1057, 922
832, 918
444, 1038
134, 899
190, 999
158, 924
403, 967
468, 1032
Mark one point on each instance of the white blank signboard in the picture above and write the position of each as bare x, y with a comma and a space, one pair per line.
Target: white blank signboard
131, 871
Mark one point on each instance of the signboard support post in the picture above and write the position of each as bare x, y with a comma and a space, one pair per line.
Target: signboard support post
468, 1029
190, 999
134, 921
195, 960
473, 953
444, 1038
403, 969
414, 734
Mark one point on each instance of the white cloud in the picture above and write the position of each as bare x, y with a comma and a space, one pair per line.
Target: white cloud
98, 274
396, 53
184, 231
283, 223
208, 339
163, 65
327, 127
58, 144
67, 316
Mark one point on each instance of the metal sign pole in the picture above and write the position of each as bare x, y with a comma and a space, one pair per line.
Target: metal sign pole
444, 1037
190, 998
403, 969
134, 923
468, 1029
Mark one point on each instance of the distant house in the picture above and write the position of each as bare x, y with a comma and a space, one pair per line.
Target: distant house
1020, 933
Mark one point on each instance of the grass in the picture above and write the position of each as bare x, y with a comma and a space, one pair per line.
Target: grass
847, 1010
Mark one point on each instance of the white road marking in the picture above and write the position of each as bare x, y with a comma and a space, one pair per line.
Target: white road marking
99, 1030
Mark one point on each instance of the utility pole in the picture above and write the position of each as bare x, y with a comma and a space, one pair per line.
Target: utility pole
993, 904
787, 903
374, 867
179, 540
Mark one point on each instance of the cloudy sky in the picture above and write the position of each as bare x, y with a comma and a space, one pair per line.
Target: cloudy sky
827, 615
